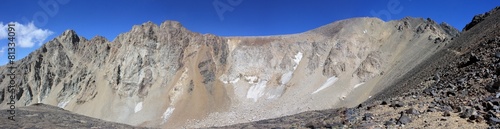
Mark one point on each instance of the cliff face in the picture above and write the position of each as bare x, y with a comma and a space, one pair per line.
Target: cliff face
168, 76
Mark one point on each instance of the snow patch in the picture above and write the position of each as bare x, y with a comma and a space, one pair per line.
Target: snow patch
225, 79
328, 83
256, 91
285, 78
63, 104
167, 114
297, 59
39, 99
355, 86
138, 107
251, 79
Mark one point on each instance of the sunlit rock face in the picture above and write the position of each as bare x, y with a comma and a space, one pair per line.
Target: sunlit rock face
167, 76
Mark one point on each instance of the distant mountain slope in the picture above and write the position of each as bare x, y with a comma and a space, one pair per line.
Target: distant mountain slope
167, 76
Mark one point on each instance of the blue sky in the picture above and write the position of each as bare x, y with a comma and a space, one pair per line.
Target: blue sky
39, 24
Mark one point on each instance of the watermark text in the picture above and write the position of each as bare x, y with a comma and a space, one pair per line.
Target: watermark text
11, 70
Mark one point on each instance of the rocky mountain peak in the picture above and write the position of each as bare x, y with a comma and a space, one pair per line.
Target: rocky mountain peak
70, 36
70, 39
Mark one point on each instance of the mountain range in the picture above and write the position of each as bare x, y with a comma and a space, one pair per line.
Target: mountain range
165, 76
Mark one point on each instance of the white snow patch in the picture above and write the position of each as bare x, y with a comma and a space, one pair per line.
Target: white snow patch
285, 78
256, 91
251, 79
356, 86
226, 80
167, 114
297, 59
328, 83
223, 78
63, 104
39, 99
138, 107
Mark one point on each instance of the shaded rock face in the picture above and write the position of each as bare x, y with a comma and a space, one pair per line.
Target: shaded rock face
167, 76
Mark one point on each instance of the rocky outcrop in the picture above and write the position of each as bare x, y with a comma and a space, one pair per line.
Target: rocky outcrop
479, 18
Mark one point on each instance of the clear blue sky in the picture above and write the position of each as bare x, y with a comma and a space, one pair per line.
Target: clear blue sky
109, 18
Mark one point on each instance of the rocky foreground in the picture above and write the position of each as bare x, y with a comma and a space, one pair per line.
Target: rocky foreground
458, 87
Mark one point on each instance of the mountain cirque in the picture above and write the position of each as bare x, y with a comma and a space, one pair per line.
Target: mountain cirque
457, 87
169, 77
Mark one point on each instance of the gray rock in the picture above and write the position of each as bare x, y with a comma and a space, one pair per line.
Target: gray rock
383, 103
474, 117
497, 54
368, 116
314, 124
404, 119
412, 111
397, 104
437, 77
446, 113
388, 123
368, 126
447, 108
462, 80
479, 107
494, 120
489, 105
468, 113
334, 125
495, 87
